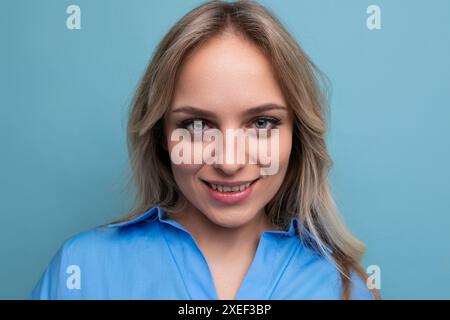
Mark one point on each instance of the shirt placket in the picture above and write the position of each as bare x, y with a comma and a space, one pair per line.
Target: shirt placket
190, 261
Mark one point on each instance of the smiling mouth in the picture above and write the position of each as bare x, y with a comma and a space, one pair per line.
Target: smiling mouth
229, 187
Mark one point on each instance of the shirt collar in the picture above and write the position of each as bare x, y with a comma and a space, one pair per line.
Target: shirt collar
145, 216
162, 217
158, 212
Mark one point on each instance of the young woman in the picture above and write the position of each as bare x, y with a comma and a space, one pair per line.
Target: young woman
215, 229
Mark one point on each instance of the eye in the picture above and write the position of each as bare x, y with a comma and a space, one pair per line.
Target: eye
194, 124
265, 122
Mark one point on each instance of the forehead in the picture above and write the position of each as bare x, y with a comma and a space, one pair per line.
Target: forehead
225, 73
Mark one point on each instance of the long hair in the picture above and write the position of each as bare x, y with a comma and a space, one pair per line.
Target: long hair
305, 191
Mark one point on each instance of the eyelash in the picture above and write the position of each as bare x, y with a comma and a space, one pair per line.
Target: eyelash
273, 121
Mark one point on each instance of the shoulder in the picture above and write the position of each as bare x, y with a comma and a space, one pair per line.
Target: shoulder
359, 288
312, 275
106, 239
99, 251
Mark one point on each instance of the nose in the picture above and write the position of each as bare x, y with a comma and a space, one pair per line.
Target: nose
235, 161
228, 169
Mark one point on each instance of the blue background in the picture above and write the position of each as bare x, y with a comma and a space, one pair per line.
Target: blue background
63, 112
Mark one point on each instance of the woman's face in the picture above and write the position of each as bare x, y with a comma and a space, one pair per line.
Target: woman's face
220, 85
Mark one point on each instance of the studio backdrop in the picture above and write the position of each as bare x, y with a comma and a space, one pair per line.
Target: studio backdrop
68, 71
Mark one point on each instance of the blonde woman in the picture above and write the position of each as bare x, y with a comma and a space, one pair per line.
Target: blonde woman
218, 229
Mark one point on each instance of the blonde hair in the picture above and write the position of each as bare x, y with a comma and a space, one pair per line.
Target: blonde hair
305, 191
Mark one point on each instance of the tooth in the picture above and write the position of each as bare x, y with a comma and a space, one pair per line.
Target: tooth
221, 188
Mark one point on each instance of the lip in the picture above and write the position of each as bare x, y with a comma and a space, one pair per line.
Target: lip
231, 196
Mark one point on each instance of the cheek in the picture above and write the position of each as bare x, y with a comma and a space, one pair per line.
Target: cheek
185, 177
272, 183
283, 152
285, 148
184, 170
184, 173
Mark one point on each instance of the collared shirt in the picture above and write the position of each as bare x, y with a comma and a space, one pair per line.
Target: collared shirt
154, 257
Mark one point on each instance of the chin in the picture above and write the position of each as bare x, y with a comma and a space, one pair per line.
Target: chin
229, 217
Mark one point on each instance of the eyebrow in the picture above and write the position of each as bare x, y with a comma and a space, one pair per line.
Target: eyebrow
206, 113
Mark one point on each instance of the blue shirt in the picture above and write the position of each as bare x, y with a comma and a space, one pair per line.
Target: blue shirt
154, 257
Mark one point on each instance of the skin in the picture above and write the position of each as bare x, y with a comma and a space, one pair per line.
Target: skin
227, 76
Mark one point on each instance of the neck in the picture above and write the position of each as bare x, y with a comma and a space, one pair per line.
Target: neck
214, 239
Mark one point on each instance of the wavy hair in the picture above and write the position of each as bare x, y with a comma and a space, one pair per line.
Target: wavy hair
305, 191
